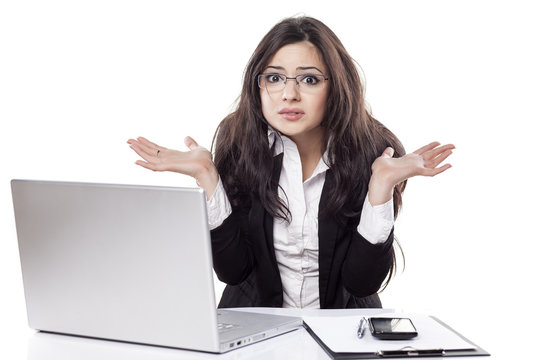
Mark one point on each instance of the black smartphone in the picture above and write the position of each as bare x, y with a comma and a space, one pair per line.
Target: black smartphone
392, 328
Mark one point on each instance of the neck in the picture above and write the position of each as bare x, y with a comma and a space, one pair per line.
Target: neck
310, 149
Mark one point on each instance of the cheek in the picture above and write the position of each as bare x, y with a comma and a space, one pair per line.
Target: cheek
320, 105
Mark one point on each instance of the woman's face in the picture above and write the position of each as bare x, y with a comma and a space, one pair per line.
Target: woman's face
296, 111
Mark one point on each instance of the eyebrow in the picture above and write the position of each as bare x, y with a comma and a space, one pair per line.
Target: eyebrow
298, 68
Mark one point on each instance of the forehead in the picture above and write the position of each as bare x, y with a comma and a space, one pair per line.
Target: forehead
298, 55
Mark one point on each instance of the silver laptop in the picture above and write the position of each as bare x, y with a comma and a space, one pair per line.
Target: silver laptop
125, 262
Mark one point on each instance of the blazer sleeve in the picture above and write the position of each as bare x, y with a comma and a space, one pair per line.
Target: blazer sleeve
231, 252
366, 265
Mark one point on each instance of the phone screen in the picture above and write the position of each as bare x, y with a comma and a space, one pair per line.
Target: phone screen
392, 328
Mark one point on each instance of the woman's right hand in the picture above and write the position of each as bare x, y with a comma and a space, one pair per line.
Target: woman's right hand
197, 162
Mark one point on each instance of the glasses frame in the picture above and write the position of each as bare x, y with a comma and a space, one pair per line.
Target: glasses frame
287, 78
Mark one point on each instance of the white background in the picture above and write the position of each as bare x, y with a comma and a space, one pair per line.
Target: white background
78, 78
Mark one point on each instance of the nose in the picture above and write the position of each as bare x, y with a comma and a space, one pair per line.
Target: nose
290, 91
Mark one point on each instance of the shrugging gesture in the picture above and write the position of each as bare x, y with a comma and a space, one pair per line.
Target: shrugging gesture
388, 171
197, 162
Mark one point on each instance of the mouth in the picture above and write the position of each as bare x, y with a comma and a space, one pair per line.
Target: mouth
291, 114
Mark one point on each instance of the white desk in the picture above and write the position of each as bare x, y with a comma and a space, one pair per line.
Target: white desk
294, 345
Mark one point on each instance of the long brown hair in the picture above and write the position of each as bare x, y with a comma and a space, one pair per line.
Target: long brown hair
242, 154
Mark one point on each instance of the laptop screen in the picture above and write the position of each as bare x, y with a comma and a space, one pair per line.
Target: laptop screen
117, 261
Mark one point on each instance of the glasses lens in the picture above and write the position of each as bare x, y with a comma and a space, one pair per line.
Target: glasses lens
271, 81
310, 82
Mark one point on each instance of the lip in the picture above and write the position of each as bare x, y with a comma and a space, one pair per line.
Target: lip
291, 113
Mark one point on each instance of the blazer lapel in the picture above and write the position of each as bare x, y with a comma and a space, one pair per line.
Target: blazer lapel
268, 219
327, 240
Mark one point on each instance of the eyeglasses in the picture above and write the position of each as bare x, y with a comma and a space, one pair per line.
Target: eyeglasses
309, 83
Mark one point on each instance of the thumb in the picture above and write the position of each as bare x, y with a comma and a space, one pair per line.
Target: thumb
190, 143
388, 152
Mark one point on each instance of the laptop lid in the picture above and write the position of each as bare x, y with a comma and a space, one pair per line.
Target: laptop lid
109, 261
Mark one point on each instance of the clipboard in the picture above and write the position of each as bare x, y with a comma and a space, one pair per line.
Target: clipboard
406, 352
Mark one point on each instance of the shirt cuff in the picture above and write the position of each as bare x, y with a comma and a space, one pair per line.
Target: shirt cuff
218, 207
376, 222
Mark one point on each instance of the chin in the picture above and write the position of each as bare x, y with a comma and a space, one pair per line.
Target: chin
290, 132
289, 129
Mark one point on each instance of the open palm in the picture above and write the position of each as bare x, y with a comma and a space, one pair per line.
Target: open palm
158, 158
423, 162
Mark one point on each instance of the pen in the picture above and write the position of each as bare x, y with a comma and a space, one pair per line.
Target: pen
361, 327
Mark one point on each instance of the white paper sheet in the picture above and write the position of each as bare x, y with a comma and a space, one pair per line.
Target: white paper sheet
339, 333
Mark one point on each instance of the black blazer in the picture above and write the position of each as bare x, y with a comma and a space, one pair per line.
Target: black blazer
351, 269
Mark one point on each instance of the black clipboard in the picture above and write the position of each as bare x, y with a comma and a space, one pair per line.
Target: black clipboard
409, 353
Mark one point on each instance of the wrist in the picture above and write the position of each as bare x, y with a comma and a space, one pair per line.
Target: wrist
380, 190
208, 178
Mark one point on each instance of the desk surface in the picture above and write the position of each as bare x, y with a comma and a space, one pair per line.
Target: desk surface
294, 345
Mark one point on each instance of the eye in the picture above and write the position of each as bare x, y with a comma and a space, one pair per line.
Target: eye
311, 80
272, 78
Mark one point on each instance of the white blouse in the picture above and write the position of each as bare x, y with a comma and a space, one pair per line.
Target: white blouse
297, 243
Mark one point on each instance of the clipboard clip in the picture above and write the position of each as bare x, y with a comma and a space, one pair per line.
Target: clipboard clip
409, 351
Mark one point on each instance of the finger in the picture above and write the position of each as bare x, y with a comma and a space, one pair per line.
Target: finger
149, 150
190, 143
150, 144
388, 152
432, 154
427, 147
149, 166
142, 151
436, 171
439, 159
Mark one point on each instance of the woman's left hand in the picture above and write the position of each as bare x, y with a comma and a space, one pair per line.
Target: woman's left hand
388, 172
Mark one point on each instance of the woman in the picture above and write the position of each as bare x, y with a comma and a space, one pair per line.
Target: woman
305, 183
